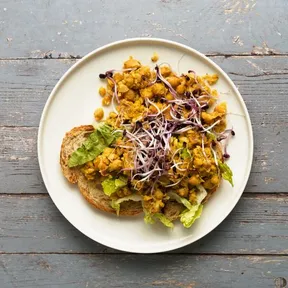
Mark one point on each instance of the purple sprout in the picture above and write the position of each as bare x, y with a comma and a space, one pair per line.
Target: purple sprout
149, 138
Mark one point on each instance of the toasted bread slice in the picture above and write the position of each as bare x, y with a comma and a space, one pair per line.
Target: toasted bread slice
72, 141
172, 210
91, 190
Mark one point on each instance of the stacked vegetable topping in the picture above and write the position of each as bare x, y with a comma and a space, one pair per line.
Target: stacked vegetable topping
165, 143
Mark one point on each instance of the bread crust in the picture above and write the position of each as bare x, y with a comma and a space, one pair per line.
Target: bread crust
92, 192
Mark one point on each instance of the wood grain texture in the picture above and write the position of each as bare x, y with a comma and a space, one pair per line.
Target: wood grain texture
25, 86
36, 29
135, 271
32, 224
19, 170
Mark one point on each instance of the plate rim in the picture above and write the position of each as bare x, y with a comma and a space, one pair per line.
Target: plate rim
175, 244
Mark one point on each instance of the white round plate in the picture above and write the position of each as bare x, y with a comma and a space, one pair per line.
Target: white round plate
72, 103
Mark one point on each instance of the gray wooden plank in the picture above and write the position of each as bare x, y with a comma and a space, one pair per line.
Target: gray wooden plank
262, 82
25, 87
19, 169
36, 29
32, 224
142, 271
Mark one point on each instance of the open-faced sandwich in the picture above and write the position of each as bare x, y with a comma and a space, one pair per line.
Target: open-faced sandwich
162, 151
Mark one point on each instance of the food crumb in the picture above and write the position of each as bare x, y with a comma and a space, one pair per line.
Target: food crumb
102, 91
155, 57
99, 114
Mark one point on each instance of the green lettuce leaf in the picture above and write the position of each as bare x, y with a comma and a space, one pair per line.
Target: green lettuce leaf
211, 136
108, 134
193, 212
111, 185
150, 219
226, 172
202, 193
188, 217
93, 146
164, 220
185, 154
115, 204
180, 200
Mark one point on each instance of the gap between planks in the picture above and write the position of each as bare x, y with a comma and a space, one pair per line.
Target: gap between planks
236, 255
235, 55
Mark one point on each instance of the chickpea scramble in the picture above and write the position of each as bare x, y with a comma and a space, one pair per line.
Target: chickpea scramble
165, 143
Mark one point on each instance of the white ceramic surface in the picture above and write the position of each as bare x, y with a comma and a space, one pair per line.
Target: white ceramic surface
72, 103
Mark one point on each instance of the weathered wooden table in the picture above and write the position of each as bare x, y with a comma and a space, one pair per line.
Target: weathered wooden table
40, 40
